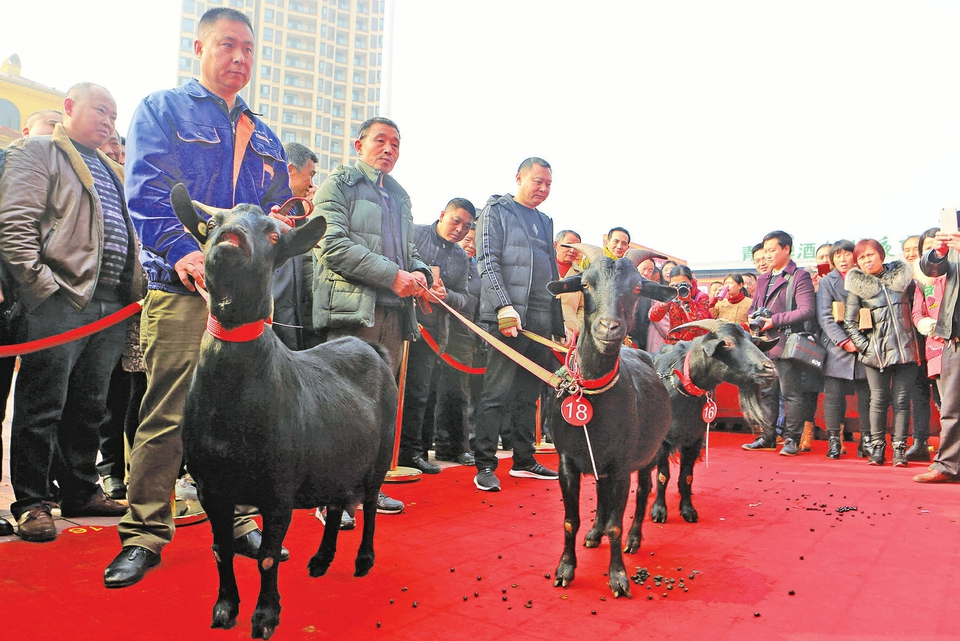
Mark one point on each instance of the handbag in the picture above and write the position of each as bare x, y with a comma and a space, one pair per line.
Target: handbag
803, 348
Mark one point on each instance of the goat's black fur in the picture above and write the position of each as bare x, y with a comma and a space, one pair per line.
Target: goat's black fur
630, 420
273, 428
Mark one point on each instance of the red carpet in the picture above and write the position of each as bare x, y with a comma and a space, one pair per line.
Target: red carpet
768, 526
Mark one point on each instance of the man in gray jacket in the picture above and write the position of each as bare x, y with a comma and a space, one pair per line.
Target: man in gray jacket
517, 260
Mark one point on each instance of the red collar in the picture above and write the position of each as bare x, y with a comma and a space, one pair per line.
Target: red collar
573, 367
684, 377
242, 334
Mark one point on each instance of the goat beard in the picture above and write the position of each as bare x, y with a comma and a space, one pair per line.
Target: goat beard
752, 407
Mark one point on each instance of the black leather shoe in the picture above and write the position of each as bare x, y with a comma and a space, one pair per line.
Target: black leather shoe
129, 566
5, 528
919, 451
466, 459
762, 444
834, 446
419, 463
248, 545
114, 487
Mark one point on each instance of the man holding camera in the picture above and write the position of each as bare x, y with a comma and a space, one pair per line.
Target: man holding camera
691, 304
784, 301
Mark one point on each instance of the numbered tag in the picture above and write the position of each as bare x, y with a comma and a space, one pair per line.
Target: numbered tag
709, 411
576, 410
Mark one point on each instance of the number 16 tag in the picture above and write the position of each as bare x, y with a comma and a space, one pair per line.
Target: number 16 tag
576, 410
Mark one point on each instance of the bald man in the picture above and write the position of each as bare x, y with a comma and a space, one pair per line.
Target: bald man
70, 247
41, 123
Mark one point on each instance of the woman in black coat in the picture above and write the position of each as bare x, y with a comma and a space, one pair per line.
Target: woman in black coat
888, 348
843, 373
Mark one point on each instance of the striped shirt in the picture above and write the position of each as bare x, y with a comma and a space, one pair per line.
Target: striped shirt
116, 239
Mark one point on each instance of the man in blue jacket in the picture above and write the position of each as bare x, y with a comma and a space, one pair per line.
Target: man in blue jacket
205, 136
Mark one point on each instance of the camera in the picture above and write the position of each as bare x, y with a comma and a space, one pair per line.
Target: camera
683, 290
759, 318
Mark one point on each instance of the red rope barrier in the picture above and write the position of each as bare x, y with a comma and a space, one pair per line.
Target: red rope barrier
74, 334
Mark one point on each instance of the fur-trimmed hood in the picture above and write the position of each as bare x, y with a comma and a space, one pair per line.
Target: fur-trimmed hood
896, 275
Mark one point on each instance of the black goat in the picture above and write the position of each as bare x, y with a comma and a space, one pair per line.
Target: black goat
631, 413
689, 369
273, 428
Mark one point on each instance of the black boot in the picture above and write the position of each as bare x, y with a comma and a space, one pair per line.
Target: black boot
865, 448
919, 451
833, 444
900, 453
878, 449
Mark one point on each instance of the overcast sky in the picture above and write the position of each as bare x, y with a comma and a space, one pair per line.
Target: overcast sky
698, 125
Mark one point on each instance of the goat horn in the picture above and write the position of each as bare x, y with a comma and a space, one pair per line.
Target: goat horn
590, 252
640, 255
708, 324
208, 209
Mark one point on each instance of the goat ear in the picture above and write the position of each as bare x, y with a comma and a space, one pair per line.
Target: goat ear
765, 344
566, 286
187, 213
300, 239
711, 343
656, 291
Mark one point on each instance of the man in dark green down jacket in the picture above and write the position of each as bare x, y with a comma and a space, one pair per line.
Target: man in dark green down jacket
367, 269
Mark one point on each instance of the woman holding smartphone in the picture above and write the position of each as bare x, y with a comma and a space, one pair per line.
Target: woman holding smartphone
884, 336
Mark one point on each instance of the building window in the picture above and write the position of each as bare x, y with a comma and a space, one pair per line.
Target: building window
320, 103
186, 44
264, 91
361, 24
268, 34
358, 78
341, 38
268, 53
337, 110
340, 74
316, 139
186, 64
268, 14
356, 113
336, 128
339, 92
187, 25
264, 71
343, 21
289, 136
341, 56
359, 60
357, 95
189, 6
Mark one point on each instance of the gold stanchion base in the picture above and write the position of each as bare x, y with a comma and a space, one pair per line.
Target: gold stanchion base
402, 474
545, 448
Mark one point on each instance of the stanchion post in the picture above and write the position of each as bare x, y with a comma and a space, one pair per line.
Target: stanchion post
398, 474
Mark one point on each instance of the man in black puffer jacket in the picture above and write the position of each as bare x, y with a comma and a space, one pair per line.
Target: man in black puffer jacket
437, 244
517, 261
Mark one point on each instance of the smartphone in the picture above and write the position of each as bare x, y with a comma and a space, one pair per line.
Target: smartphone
948, 221
823, 269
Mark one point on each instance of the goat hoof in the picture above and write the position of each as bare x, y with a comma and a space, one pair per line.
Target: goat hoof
632, 546
620, 584
264, 623
592, 539
316, 567
224, 615
658, 514
363, 565
564, 575
689, 515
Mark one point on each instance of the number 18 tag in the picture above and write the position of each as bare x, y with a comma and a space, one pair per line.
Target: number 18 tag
576, 410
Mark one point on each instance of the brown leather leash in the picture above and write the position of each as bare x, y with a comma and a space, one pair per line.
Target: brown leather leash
561, 384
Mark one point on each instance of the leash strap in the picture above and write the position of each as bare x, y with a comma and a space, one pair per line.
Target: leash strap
590, 449
446, 358
543, 374
537, 338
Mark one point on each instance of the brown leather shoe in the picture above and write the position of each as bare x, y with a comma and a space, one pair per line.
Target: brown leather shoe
36, 524
99, 505
936, 476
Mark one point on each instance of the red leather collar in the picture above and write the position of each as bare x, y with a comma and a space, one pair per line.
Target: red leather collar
242, 334
573, 367
684, 378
